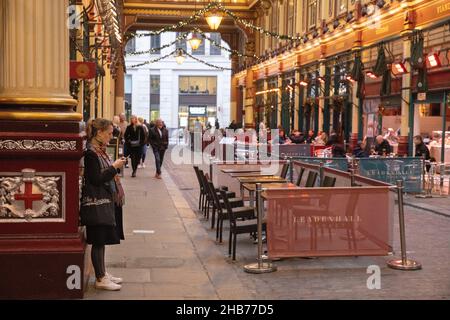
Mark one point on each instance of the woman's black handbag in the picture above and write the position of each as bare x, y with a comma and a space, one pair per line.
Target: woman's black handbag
97, 206
136, 143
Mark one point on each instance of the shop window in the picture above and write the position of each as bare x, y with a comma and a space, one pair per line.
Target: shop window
180, 44
155, 43
198, 85
312, 13
215, 50
131, 45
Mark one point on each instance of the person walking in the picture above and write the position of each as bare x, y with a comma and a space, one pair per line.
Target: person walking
159, 140
134, 140
123, 124
144, 146
101, 200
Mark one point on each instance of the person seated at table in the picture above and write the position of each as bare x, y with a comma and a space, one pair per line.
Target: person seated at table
360, 150
338, 151
333, 139
310, 137
297, 137
282, 138
422, 150
321, 139
382, 146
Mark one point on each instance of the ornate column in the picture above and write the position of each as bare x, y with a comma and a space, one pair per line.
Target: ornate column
406, 128
249, 102
40, 151
119, 91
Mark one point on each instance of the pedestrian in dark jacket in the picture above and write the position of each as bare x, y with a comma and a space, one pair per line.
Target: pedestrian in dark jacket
159, 140
134, 139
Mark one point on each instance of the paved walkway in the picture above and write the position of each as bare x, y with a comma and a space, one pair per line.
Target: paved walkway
179, 259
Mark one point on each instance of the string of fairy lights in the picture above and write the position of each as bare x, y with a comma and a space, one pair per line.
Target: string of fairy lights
178, 53
216, 18
183, 37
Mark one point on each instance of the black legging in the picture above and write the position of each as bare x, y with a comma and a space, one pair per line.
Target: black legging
135, 153
98, 260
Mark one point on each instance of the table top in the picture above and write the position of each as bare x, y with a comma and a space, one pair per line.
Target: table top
240, 170
252, 186
249, 174
270, 179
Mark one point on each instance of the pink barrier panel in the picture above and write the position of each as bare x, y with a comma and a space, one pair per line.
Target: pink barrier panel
329, 222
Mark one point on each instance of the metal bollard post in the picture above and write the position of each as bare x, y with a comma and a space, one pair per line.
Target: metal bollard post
424, 171
320, 173
404, 263
352, 177
262, 266
441, 175
291, 170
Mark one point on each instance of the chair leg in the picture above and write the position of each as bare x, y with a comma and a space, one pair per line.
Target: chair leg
221, 230
234, 246
199, 200
217, 226
213, 216
229, 243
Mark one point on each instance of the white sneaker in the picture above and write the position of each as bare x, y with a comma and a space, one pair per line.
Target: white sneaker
140, 166
116, 280
143, 165
107, 284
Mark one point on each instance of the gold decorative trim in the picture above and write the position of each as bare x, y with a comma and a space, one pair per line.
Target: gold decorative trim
45, 115
45, 101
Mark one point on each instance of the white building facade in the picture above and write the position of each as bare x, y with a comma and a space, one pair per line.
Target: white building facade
178, 93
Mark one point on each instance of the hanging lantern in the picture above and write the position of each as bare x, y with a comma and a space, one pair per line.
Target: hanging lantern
214, 18
195, 41
179, 57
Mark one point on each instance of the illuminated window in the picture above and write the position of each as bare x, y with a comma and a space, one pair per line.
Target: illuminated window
312, 13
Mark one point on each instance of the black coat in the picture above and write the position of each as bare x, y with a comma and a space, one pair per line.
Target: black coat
422, 150
157, 142
132, 133
383, 147
97, 203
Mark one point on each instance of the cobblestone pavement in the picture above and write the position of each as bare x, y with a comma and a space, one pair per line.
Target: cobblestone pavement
428, 241
179, 259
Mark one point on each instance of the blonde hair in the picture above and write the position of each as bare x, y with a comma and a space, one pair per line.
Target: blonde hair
116, 120
141, 120
95, 125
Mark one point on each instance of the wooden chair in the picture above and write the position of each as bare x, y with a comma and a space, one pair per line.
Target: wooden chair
328, 182
284, 170
300, 176
311, 180
248, 225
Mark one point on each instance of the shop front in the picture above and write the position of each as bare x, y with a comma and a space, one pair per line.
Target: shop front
188, 115
434, 123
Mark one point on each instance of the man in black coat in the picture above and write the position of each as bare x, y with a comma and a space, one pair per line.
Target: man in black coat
159, 140
382, 148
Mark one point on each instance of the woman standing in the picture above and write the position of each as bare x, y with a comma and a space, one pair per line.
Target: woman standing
102, 199
134, 139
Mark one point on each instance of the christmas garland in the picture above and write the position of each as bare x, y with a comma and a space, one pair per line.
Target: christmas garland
182, 36
152, 61
172, 53
204, 62
225, 48
197, 15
